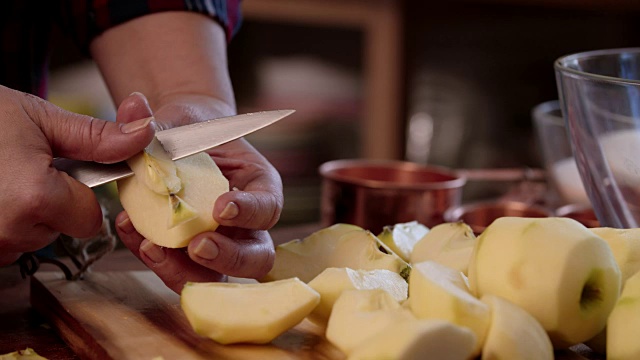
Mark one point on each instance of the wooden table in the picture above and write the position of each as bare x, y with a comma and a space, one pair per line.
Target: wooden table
22, 327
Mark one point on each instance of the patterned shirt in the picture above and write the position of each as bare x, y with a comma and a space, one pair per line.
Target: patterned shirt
26, 25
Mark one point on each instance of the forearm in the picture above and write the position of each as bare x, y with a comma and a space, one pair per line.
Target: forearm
174, 58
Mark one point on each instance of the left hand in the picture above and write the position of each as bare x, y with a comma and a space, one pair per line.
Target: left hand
241, 246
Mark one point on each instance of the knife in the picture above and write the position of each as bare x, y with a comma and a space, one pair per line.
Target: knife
179, 142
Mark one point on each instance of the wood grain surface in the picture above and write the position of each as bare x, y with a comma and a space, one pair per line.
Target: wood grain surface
132, 315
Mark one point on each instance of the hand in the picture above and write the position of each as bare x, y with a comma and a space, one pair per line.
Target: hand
241, 246
38, 201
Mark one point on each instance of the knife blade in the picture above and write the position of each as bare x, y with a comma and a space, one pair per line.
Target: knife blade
179, 142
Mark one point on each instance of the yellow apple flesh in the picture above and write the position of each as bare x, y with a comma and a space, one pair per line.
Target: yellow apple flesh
154, 215
625, 245
401, 238
417, 340
358, 314
449, 244
439, 292
623, 325
339, 245
333, 281
514, 333
247, 313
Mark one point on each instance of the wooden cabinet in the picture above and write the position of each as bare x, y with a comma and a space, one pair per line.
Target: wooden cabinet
380, 22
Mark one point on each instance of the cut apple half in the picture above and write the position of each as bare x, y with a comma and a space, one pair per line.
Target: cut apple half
439, 292
358, 314
450, 244
332, 282
401, 238
169, 202
339, 245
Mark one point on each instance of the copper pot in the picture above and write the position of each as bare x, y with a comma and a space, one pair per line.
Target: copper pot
376, 193
481, 214
581, 213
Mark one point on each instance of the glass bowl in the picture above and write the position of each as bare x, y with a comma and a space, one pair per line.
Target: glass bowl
600, 96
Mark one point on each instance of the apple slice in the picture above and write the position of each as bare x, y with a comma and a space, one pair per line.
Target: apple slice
339, 245
401, 238
417, 340
439, 292
623, 325
333, 281
450, 244
358, 314
514, 333
554, 268
168, 218
247, 312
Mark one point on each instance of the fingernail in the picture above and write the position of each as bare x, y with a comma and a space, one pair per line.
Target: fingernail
153, 252
230, 211
136, 93
134, 126
126, 226
207, 249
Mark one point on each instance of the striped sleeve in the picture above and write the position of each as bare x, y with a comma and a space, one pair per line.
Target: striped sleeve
86, 19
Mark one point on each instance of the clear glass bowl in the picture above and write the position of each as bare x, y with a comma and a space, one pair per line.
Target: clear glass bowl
600, 96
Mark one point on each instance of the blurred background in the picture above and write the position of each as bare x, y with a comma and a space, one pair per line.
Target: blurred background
448, 83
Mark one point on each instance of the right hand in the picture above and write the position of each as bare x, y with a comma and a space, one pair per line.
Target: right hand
39, 202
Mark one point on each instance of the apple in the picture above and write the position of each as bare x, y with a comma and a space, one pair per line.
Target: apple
401, 238
26, 354
623, 325
554, 268
358, 314
333, 281
339, 245
169, 202
247, 312
440, 292
625, 245
514, 333
417, 340
450, 244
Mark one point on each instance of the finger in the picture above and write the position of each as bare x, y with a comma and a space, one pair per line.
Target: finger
133, 107
68, 206
128, 234
249, 257
173, 266
258, 210
83, 137
259, 205
49, 201
8, 258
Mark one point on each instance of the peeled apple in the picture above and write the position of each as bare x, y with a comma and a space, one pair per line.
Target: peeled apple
169, 202
554, 268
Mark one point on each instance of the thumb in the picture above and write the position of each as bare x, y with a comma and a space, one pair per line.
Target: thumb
86, 138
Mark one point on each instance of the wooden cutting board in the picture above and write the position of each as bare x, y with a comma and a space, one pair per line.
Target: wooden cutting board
132, 315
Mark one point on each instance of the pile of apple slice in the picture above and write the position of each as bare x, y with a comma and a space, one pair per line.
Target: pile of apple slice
524, 287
